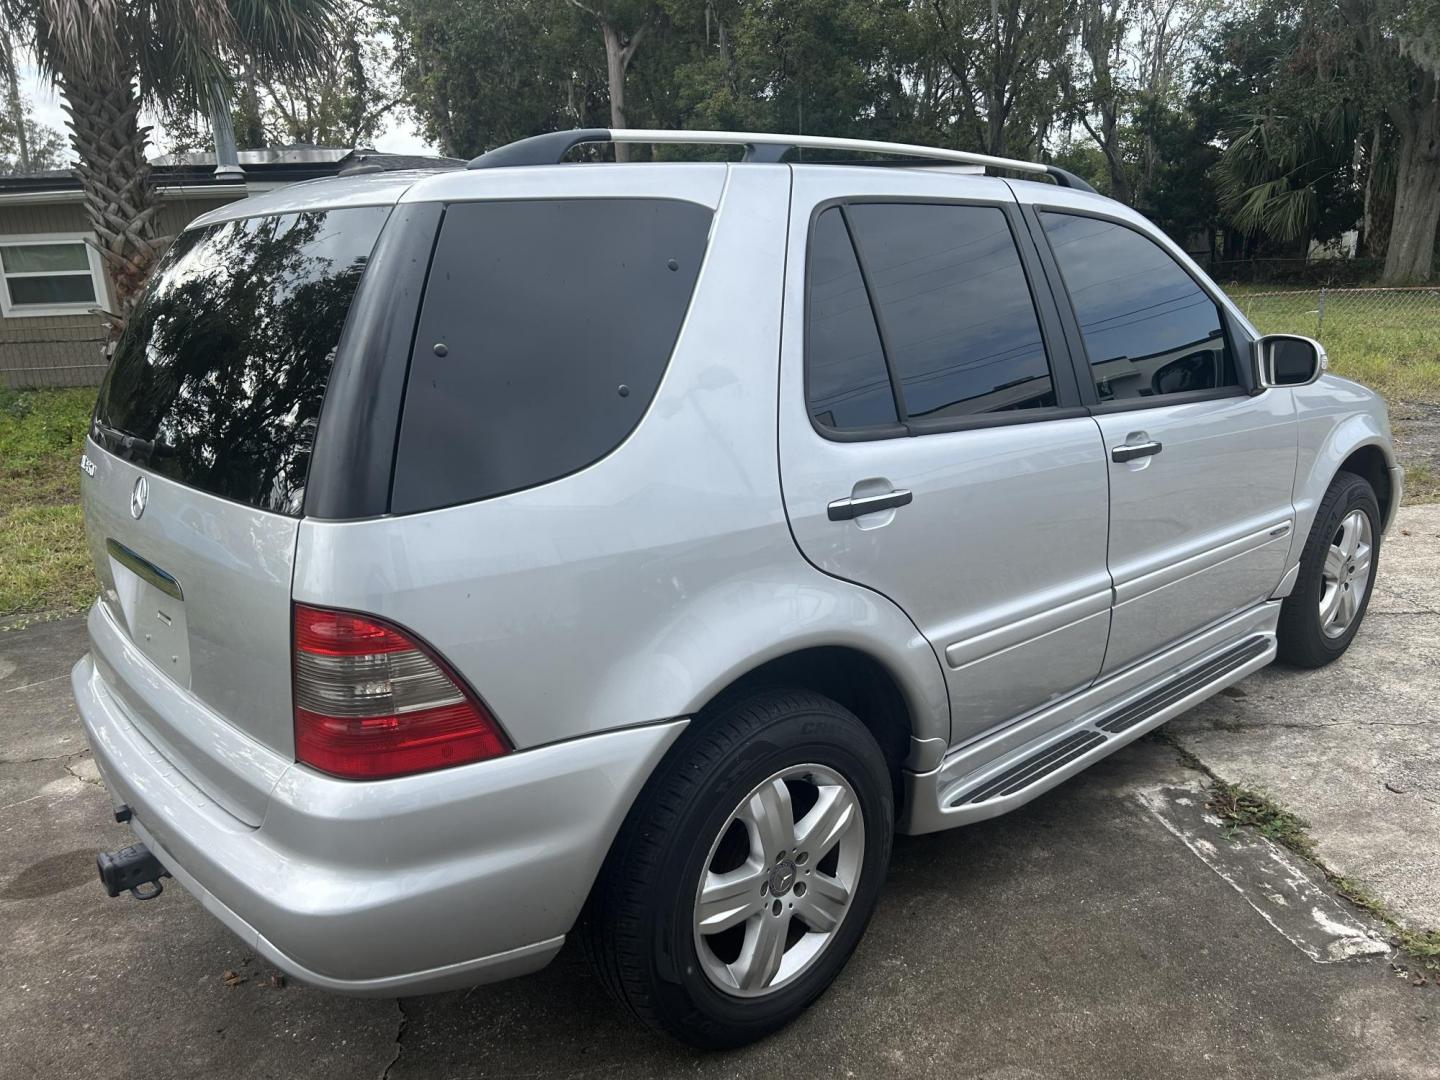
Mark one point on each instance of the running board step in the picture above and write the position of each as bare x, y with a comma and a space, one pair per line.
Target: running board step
1186, 684
1031, 770
1034, 767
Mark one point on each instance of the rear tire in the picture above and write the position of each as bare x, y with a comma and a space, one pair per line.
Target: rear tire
1322, 614
749, 961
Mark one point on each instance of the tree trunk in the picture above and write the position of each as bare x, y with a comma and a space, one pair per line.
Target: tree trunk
1410, 256
17, 115
114, 175
1120, 188
250, 135
616, 61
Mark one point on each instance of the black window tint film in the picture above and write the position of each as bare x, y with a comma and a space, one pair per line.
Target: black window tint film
1149, 329
220, 373
544, 332
847, 383
962, 329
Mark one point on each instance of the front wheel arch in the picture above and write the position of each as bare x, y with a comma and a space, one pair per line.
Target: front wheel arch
1371, 464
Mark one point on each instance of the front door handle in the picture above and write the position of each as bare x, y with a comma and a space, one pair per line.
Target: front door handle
1131, 451
846, 509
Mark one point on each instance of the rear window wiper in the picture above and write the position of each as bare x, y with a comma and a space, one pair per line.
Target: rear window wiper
133, 445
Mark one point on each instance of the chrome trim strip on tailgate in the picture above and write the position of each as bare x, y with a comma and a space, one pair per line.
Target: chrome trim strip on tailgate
144, 569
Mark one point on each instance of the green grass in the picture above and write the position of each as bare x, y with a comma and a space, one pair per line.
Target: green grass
1390, 341
1240, 809
45, 564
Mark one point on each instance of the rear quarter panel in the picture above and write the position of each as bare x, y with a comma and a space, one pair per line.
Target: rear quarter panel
637, 588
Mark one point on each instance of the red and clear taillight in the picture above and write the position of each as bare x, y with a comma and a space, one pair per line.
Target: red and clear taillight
371, 702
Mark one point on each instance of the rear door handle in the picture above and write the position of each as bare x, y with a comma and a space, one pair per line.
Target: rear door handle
845, 509
1131, 451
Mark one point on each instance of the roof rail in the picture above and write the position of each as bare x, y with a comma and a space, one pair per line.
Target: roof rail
551, 148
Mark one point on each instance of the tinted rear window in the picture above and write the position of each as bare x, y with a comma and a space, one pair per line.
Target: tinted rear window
545, 330
218, 378
960, 325
848, 382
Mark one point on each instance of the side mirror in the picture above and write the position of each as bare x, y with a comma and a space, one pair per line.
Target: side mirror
1290, 360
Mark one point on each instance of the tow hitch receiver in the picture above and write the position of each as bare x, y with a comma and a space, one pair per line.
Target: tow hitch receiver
133, 868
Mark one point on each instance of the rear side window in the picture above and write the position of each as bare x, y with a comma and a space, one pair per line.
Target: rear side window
1149, 329
218, 378
849, 387
959, 321
933, 294
543, 336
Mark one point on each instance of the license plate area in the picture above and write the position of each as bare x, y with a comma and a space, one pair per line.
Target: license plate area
151, 607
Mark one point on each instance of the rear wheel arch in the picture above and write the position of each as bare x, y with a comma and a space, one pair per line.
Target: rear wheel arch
848, 676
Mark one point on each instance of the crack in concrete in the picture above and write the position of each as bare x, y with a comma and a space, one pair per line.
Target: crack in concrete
1234, 726
38, 760
38, 682
82, 779
399, 1038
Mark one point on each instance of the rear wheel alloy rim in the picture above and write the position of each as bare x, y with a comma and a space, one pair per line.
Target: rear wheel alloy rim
779, 880
1345, 577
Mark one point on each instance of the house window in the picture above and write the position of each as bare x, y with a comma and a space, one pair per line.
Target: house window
49, 275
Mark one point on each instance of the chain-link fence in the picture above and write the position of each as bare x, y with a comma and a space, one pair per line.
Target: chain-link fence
1386, 338
1306, 311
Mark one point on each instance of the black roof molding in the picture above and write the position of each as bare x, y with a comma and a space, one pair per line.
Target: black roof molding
284, 164
547, 149
364, 160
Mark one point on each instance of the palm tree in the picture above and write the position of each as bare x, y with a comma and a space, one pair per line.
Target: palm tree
110, 57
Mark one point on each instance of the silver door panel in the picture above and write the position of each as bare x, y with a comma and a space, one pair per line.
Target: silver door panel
999, 557
1145, 623
998, 687
1205, 510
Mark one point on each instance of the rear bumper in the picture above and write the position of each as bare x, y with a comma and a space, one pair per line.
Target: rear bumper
424, 883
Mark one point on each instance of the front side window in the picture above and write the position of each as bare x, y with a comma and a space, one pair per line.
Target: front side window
1149, 329
49, 276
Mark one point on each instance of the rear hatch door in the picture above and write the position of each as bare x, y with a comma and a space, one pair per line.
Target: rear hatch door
195, 481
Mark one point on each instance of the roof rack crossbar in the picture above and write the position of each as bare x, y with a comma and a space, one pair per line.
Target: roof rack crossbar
551, 148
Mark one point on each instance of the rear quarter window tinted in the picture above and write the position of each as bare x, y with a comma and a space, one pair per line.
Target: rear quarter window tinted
545, 330
218, 378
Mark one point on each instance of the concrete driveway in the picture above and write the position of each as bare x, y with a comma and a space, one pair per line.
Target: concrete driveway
1107, 930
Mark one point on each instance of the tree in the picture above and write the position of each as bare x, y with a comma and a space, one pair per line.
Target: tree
28, 146
623, 25
108, 57
477, 76
1004, 57
25, 145
1399, 45
343, 104
1091, 78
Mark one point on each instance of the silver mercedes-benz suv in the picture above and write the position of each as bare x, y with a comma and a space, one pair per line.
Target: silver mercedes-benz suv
496, 553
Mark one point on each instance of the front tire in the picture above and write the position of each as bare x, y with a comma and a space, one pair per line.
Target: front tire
1322, 614
747, 870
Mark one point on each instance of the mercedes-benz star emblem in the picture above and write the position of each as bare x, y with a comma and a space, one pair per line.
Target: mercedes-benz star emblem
138, 494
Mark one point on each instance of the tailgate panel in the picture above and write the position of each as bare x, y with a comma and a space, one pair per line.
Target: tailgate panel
201, 587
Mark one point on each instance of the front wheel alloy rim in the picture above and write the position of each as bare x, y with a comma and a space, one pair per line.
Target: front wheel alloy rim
779, 880
1346, 573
